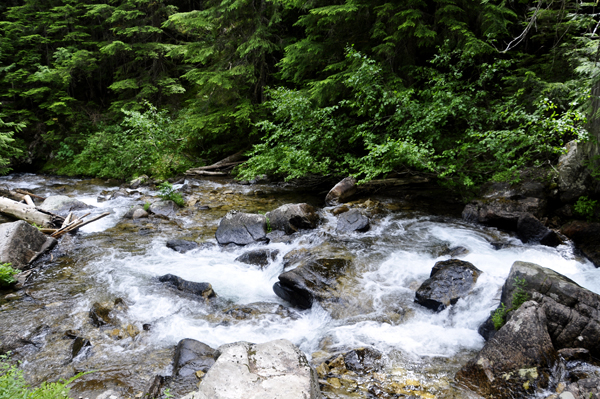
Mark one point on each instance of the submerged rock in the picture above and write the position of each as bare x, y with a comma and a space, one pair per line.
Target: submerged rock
241, 228
352, 220
62, 205
293, 217
449, 281
341, 192
258, 257
314, 280
201, 289
20, 242
100, 314
181, 246
275, 369
517, 361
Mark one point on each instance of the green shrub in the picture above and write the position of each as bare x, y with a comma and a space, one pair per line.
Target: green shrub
7, 274
146, 206
586, 207
519, 297
13, 385
167, 192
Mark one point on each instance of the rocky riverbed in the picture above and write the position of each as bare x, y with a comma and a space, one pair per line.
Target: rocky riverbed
338, 283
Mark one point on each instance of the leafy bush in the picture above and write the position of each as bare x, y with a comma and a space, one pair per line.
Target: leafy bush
144, 143
7, 274
13, 385
167, 192
519, 297
586, 207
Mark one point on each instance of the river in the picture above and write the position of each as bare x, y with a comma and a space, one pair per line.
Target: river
119, 260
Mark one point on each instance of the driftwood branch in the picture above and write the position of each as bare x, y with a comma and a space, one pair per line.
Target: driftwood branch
29, 201
205, 173
18, 190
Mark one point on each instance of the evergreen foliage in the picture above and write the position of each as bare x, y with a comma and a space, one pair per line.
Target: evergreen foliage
458, 90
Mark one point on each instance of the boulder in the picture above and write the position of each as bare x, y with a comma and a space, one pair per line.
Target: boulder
293, 217
531, 230
503, 212
363, 360
130, 212
573, 312
352, 220
449, 281
63, 205
279, 236
314, 279
241, 228
181, 246
341, 191
20, 242
135, 183
573, 175
586, 237
274, 370
190, 357
164, 208
201, 289
517, 361
258, 257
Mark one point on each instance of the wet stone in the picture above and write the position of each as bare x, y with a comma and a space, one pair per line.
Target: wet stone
352, 220
241, 228
191, 357
363, 360
258, 257
100, 315
449, 281
181, 246
201, 289
79, 345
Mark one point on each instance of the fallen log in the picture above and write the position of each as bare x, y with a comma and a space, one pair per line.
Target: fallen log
77, 223
28, 213
29, 201
229, 162
205, 173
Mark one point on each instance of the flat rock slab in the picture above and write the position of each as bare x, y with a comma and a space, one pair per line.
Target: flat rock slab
272, 370
19, 243
241, 228
449, 281
62, 205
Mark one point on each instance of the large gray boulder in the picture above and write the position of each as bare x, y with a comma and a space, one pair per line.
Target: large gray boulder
449, 281
573, 312
517, 361
20, 242
273, 370
62, 205
293, 217
503, 212
313, 280
241, 228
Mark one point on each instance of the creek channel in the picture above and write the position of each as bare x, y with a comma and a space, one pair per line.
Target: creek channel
117, 261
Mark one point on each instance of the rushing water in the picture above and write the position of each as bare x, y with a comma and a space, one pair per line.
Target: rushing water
113, 258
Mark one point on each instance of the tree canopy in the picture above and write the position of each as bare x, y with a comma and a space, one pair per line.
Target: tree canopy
466, 91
